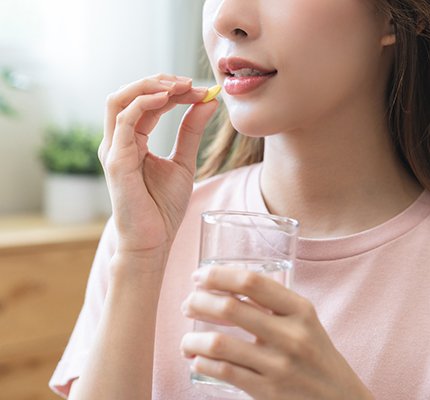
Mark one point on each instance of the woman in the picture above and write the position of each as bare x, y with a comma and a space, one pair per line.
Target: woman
344, 115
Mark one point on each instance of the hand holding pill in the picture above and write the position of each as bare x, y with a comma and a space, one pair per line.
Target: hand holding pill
151, 193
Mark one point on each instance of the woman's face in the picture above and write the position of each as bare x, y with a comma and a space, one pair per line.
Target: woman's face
328, 54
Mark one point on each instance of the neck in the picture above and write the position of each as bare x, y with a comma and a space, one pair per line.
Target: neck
339, 178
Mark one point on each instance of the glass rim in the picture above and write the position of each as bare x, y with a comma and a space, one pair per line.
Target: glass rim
276, 218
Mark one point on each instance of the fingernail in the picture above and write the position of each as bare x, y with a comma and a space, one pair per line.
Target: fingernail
161, 94
184, 79
168, 83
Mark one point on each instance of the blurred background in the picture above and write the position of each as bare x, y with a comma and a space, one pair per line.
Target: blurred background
66, 57
58, 62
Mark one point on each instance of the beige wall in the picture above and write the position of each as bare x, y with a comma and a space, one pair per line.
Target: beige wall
75, 53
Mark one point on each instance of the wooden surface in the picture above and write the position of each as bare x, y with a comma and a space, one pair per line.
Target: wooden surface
44, 268
35, 230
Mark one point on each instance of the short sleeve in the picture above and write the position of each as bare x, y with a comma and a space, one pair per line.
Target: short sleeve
80, 342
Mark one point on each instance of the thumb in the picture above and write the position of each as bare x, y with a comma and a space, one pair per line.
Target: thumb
190, 133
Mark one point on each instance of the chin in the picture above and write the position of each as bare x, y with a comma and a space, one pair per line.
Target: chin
254, 127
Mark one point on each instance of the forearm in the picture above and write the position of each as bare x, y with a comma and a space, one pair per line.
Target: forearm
121, 360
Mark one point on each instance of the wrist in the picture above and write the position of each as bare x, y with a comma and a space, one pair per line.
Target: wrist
137, 265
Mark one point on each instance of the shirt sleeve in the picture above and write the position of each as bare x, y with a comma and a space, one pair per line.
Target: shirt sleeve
77, 349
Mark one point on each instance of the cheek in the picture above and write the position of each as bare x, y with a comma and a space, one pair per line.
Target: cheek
326, 43
329, 51
325, 52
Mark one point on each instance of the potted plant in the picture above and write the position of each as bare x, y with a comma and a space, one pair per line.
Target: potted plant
72, 185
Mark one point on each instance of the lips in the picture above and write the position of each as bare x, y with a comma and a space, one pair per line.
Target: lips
231, 64
235, 85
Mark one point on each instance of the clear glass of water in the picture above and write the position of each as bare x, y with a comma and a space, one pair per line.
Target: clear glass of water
257, 242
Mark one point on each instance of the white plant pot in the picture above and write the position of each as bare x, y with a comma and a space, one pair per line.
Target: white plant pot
71, 198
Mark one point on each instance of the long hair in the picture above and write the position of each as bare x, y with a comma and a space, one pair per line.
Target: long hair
407, 95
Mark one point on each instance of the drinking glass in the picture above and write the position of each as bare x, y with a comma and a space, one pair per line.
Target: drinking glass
258, 242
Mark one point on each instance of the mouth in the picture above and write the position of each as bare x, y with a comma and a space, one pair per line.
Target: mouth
243, 76
240, 68
248, 73
243, 85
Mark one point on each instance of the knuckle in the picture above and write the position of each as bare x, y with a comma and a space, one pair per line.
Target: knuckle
284, 367
163, 76
249, 281
229, 307
111, 99
217, 344
122, 119
142, 81
224, 370
301, 346
212, 275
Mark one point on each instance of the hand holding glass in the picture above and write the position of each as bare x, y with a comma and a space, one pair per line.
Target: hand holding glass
262, 243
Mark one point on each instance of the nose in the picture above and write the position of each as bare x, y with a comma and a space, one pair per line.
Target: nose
237, 19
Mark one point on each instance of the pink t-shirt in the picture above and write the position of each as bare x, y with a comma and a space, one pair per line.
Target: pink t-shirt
371, 291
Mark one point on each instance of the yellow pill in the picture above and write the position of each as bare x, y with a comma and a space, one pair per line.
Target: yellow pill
212, 93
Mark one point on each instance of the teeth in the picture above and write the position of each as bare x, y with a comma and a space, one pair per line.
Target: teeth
246, 72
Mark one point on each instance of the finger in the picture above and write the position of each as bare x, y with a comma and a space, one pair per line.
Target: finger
145, 111
260, 288
218, 346
177, 96
127, 119
126, 94
190, 134
202, 305
276, 337
190, 96
240, 377
120, 99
